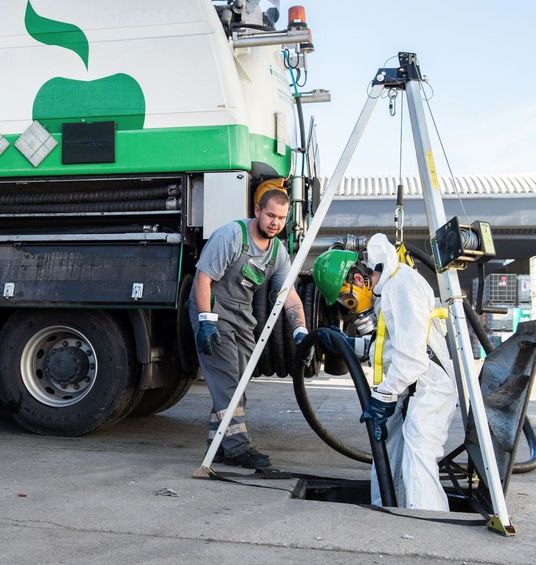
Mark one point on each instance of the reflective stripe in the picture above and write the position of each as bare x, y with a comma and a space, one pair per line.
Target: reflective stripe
239, 411
236, 429
231, 431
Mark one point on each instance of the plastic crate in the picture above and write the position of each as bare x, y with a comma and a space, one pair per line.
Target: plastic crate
500, 322
500, 288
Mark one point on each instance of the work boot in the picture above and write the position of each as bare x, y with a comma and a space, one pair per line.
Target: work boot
250, 459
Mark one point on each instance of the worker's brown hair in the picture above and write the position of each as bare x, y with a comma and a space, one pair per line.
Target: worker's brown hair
280, 196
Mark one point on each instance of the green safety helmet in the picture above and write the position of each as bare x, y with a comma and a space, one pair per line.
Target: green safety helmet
330, 271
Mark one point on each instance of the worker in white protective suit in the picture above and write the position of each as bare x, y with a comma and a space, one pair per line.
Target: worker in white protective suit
408, 348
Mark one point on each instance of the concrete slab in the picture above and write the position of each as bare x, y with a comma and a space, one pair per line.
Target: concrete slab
93, 499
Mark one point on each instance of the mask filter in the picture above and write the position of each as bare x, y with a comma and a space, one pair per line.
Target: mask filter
365, 323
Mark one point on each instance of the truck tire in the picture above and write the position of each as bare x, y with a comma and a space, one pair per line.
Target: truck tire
67, 372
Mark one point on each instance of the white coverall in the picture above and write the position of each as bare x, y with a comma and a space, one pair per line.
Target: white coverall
414, 444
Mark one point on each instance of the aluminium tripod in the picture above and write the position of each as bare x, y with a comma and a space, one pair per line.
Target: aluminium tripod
406, 77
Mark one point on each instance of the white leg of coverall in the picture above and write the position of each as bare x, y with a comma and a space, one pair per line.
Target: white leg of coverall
425, 431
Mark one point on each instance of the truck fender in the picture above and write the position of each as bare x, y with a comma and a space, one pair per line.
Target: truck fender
142, 335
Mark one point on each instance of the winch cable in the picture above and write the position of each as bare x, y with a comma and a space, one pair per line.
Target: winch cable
379, 450
528, 431
427, 99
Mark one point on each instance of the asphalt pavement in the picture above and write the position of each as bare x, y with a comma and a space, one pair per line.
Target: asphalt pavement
125, 495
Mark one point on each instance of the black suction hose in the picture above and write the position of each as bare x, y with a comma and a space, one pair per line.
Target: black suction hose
301, 123
530, 464
379, 451
518, 468
309, 413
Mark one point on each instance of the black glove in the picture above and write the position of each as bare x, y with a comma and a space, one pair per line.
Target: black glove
206, 332
299, 335
380, 409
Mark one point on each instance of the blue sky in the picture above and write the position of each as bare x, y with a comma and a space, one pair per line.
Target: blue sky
478, 56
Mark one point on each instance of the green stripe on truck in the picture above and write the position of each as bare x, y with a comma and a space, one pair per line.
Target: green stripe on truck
207, 148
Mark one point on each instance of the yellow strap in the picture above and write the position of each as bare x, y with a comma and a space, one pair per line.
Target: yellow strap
381, 331
442, 313
404, 256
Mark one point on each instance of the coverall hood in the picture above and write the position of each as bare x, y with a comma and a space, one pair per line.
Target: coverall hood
379, 250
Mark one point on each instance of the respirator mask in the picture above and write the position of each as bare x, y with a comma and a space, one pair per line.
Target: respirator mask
358, 301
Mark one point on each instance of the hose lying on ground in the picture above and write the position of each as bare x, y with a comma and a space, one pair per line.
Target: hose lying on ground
379, 451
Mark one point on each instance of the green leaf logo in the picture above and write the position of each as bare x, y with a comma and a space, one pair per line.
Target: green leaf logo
52, 32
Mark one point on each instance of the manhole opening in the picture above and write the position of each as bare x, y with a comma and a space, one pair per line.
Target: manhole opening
333, 490
350, 491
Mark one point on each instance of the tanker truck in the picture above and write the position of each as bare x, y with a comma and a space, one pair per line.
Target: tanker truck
129, 131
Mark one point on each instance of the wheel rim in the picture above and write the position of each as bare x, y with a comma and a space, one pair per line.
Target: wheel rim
58, 366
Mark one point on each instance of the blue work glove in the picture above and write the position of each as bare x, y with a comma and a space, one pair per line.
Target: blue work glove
326, 339
206, 332
360, 345
299, 335
381, 407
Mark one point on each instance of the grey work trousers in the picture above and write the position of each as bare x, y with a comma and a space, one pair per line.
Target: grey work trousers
222, 371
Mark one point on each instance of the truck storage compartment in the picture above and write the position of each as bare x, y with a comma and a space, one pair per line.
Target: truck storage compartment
115, 274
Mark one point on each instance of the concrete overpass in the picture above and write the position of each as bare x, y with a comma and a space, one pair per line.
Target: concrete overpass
365, 205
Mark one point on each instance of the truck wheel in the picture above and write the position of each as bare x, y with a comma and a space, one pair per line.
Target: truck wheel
66, 372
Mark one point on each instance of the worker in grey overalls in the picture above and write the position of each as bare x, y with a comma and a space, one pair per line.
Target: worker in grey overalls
237, 259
